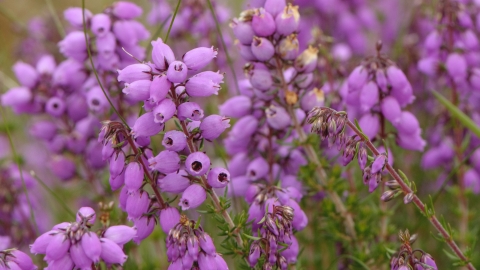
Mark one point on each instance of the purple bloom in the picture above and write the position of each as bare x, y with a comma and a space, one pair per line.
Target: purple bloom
257, 169
174, 140
456, 66
369, 96
144, 227
100, 24
287, 21
120, 234
175, 182
370, 124
74, 46
81, 260
138, 90
74, 16
177, 72
159, 88
260, 77
162, 54
133, 176
164, 111
213, 126
189, 110
86, 214
26, 74
218, 177
126, 10
243, 31
145, 126
199, 58
16, 96
165, 162
111, 252
197, 164
263, 24
357, 79
262, 49
58, 246
237, 106
204, 84
134, 72
193, 197
137, 204
391, 109
91, 246
277, 117
169, 217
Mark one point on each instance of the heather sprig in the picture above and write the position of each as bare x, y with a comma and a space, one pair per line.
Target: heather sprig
323, 117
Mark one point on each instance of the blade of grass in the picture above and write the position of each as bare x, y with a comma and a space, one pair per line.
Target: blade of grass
56, 19
59, 200
225, 49
458, 114
19, 167
173, 19
93, 66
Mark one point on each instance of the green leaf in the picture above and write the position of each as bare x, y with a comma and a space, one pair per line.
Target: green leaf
252, 237
458, 114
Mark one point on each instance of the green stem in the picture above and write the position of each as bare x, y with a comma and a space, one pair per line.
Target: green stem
171, 22
56, 19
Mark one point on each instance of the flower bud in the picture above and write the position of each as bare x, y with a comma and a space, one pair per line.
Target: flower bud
87, 215
408, 124
162, 54
206, 261
165, 162
263, 24
199, 58
287, 21
169, 217
174, 140
274, 7
213, 126
126, 10
379, 163
62, 167
197, 164
193, 197
206, 244
137, 90
262, 49
428, 66
218, 177
388, 195
408, 198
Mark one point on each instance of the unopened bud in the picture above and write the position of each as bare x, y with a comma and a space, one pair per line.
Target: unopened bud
388, 195
408, 198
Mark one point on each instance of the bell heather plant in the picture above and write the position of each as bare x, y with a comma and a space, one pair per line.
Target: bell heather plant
183, 172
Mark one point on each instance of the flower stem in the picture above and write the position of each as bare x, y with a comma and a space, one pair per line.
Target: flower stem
152, 182
407, 190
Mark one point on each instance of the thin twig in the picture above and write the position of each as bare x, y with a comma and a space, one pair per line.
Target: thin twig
171, 22
407, 190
